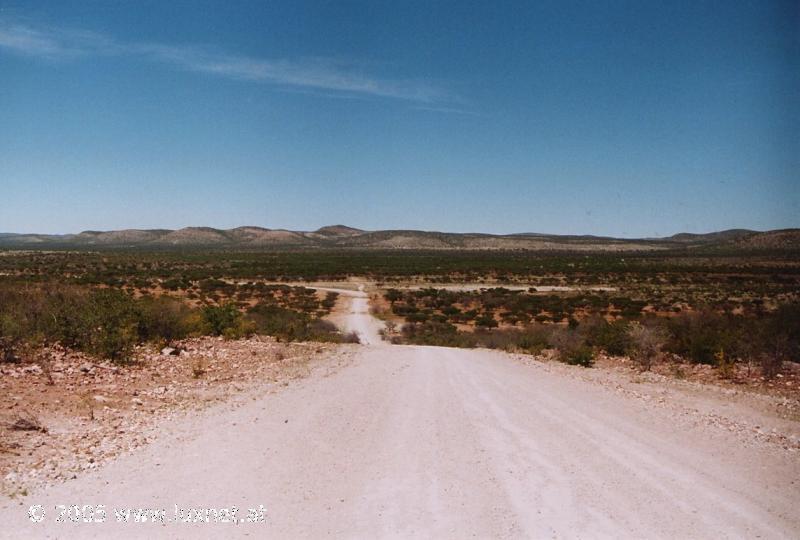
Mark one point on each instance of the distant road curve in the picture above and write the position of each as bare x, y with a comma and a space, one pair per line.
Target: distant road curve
357, 317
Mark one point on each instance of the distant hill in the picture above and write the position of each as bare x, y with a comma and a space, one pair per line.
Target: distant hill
785, 239
341, 236
721, 236
338, 230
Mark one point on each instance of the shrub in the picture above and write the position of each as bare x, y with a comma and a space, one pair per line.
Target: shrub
486, 321
240, 328
417, 317
770, 364
11, 332
289, 325
61, 316
533, 339
351, 337
432, 333
164, 319
221, 318
102, 322
699, 336
393, 295
645, 344
321, 325
582, 355
777, 338
724, 364
330, 301
111, 324
8, 350
195, 323
280, 322
614, 338
572, 349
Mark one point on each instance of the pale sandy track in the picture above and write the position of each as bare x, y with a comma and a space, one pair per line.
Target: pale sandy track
355, 316
422, 442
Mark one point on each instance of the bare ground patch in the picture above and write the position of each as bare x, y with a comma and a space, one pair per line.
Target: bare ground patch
757, 412
78, 413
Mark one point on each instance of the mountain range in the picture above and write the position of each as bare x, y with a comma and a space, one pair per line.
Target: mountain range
341, 236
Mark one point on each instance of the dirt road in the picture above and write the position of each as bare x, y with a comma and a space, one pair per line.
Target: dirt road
355, 317
429, 442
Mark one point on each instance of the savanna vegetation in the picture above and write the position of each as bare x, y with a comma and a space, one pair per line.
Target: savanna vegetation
579, 324
109, 322
699, 304
657, 274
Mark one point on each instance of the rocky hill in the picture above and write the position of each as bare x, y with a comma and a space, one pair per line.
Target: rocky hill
341, 236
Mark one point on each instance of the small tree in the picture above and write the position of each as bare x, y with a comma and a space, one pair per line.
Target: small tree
645, 344
393, 295
486, 321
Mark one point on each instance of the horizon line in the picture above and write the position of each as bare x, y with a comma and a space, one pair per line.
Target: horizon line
429, 231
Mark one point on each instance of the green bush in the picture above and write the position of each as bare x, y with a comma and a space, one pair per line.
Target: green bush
280, 322
61, 316
110, 324
433, 333
775, 339
486, 321
290, 325
222, 318
582, 355
533, 339
572, 348
11, 329
240, 329
699, 336
611, 337
163, 319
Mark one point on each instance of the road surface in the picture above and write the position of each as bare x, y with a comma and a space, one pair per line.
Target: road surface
356, 316
423, 442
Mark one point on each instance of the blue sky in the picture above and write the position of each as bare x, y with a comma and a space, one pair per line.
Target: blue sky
611, 118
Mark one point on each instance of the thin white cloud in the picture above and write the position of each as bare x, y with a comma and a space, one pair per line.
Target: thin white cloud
447, 110
322, 74
24, 40
317, 74
55, 44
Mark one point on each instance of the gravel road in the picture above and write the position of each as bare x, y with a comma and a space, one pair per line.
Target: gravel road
431, 442
356, 317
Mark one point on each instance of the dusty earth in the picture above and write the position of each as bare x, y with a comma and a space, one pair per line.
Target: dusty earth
462, 287
404, 441
95, 411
